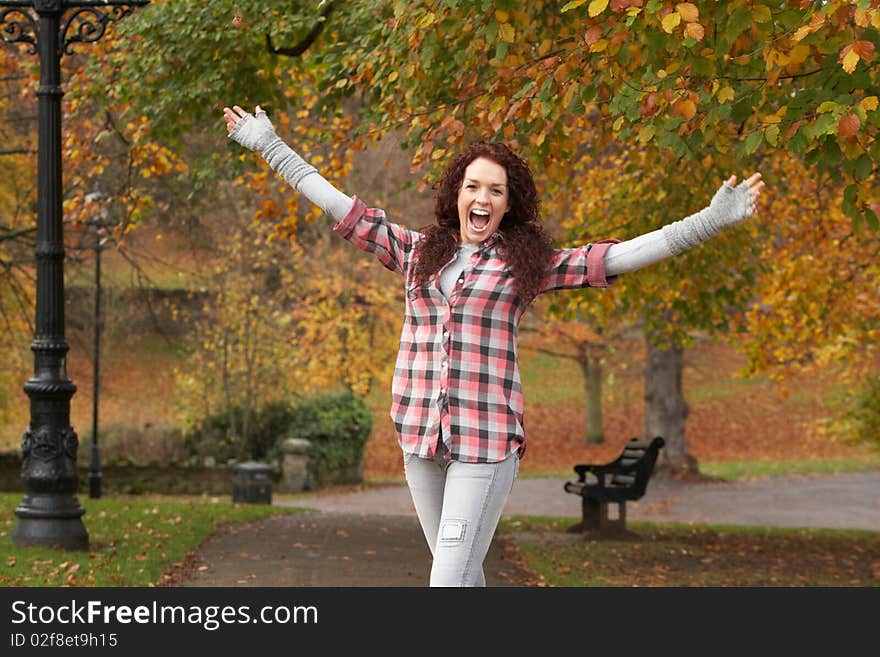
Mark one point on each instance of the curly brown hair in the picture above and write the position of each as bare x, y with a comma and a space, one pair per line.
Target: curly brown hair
524, 244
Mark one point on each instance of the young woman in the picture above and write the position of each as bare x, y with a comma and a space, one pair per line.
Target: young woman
456, 395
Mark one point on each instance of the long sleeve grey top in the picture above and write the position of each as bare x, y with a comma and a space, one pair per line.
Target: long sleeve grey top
729, 205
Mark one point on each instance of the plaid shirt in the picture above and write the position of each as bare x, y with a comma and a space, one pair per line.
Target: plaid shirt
456, 374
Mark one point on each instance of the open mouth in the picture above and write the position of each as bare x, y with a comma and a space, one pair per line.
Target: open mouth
479, 219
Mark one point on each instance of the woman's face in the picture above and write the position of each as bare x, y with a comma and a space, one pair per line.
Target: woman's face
482, 200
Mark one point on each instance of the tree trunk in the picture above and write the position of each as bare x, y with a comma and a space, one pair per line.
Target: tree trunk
666, 410
592, 370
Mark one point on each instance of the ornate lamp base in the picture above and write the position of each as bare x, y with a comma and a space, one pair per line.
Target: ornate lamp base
50, 520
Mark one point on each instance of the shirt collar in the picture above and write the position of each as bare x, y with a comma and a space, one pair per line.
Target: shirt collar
490, 242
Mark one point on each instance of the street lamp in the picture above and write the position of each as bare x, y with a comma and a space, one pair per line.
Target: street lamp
100, 223
49, 514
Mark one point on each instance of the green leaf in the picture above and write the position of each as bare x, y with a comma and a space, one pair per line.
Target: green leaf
864, 166
753, 141
742, 110
871, 218
739, 20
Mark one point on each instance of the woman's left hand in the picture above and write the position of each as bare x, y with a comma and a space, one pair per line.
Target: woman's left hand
756, 185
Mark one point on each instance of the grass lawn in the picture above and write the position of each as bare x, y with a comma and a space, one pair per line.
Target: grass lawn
694, 555
134, 541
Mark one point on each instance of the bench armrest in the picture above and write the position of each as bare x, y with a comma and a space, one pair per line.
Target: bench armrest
598, 471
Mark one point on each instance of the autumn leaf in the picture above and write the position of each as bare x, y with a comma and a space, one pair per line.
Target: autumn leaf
573, 4
592, 35
848, 125
868, 103
597, 7
688, 11
686, 108
725, 94
670, 21
798, 54
865, 50
851, 54
761, 14
694, 31
849, 58
426, 20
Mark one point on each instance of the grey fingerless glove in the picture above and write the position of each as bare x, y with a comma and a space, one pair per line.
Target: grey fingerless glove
257, 133
729, 206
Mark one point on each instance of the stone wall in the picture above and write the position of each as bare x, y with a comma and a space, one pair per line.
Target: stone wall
183, 478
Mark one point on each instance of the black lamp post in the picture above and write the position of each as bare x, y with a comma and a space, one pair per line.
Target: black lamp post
100, 223
49, 514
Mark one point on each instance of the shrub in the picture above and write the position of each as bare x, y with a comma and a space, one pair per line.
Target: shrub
218, 435
337, 426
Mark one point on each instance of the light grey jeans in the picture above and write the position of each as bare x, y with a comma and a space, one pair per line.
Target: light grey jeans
459, 506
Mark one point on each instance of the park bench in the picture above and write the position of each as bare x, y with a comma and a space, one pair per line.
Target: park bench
621, 480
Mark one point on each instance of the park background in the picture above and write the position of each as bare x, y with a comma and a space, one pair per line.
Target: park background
225, 291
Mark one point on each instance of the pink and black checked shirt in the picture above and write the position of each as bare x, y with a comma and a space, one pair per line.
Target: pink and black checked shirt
456, 376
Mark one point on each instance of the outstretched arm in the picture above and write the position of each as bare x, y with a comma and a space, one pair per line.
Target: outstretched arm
255, 131
731, 204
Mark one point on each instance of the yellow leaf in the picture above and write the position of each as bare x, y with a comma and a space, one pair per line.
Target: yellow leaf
618, 123
646, 134
688, 11
425, 20
761, 14
502, 16
801, 32
771, 134
508, 33
725, 95
869, 103
827, 106
849, 60
597, 7
671, 21
599, 46
799, 54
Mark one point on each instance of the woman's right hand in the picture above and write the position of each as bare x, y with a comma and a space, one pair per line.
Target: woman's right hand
253, 131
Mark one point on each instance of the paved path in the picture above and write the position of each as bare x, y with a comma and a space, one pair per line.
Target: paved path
844, 501
372, 538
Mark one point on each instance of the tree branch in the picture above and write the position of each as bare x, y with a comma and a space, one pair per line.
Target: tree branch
302, 46
13, 234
